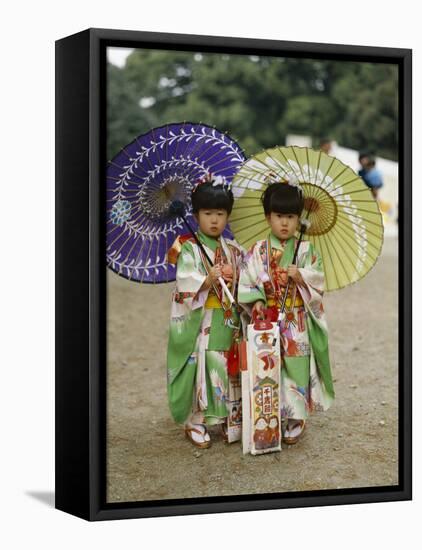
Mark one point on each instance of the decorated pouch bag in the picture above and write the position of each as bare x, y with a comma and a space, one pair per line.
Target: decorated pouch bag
260, 373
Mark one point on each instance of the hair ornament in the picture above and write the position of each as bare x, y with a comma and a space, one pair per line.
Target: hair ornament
293, 181
290, 179
220, 180
270, 178
215, 180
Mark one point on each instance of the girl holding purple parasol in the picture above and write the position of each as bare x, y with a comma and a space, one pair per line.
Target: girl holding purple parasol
203, 323
150, 197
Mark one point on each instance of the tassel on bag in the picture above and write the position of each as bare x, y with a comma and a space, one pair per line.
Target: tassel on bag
233, 359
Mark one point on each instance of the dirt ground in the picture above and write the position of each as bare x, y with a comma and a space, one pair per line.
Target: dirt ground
354, 444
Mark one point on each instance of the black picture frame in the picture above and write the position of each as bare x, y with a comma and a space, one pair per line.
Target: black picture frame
80, 275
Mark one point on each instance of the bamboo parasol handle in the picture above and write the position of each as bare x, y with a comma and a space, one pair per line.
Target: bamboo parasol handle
286, 292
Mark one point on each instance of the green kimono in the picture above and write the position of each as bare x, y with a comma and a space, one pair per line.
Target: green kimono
199, 339
306, 380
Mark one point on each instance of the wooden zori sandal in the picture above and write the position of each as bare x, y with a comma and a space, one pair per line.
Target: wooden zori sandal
201, 444
296, 425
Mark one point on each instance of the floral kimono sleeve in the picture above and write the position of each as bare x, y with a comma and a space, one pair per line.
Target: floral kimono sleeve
251, 279
190, 276
312, 291
185, 321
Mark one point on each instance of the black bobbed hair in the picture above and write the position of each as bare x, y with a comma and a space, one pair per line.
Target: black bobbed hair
206, 196
283, 199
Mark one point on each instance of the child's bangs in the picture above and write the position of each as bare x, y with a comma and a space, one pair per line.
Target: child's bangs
219, 201
282, 199
208, 197
286, 204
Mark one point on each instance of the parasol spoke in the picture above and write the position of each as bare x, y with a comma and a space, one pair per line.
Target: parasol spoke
348, 215
349, 231
335, 250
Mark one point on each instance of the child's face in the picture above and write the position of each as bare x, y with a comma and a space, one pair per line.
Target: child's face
212, 221
283, 226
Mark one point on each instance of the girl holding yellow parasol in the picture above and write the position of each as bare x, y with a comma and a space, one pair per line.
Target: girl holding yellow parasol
311, 225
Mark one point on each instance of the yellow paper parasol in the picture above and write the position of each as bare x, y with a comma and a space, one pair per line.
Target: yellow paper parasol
345, 221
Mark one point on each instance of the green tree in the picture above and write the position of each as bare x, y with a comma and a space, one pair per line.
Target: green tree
258, 100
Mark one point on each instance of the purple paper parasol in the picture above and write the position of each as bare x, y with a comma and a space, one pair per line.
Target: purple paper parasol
144, 179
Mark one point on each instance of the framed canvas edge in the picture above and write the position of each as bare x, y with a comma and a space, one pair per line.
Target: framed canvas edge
250, 504
405, 271
261, 45
72, 367
98, 508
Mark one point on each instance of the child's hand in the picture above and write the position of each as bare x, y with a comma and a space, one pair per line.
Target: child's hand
257, 309
294, 273
214, 274
227, 272
281, 276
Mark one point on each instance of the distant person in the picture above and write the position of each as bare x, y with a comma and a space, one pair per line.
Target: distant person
370, 174
363, 161
325, 145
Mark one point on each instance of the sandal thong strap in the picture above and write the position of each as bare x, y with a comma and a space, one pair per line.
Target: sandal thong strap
295, 424
293, 439
202, 445
192, 429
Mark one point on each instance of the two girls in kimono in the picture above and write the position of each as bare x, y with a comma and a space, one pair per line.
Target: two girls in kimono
199, 338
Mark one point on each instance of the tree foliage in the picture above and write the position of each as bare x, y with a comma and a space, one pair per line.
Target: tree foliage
258, 100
